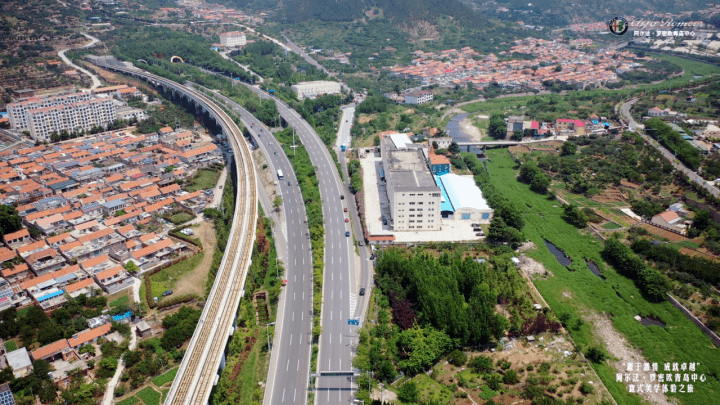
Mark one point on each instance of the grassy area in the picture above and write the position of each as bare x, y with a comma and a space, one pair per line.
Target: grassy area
124, 300
181, 218
128, 401
431, 391
149, 396
690, 68
166, 278
688, 244
577, 292
611, 225
203, 180
164, 394
165, 378
10, 345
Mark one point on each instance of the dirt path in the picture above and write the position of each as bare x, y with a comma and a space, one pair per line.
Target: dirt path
621, 349
194, 281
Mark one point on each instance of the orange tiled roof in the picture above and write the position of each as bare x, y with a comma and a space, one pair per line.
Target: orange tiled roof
49, 349
109, 273
86, 336
79, 285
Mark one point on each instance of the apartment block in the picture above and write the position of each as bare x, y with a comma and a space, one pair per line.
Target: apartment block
16, 111
233, 38
83, 115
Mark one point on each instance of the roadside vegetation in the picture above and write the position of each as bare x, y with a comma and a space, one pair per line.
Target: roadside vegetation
248, 355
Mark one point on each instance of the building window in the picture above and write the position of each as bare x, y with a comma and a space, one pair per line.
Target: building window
420, 203
420, 209
419, 227
412, 216
465, 216
411, 195
485, 215
412, 203
411, 221
420, 195
412, 209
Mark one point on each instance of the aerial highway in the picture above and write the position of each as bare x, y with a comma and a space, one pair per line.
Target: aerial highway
198, 371
288, 376
341, 301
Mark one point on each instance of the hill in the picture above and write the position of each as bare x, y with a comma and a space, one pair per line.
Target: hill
556, 13
399, 11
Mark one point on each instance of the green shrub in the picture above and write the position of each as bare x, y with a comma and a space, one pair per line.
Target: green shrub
511, 377
457, 358
586, 388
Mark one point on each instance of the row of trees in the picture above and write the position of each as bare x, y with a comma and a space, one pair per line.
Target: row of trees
672, 140
652, 284
507, 223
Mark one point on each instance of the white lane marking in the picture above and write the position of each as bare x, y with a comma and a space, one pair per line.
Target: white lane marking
331, 312
298, 366
293, 319
291, 334
295, 395
293, 296
303, 295
331, 338
288, 366
283, 398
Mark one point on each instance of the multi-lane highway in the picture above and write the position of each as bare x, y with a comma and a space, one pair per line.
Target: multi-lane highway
288, 376
198, 371
340, 282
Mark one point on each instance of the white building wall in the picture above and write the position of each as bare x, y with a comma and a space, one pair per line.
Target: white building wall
415, 211
310, 89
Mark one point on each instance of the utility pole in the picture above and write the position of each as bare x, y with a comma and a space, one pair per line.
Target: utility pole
294, 147
267, 330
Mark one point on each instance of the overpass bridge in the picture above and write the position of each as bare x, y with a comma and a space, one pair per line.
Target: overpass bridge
205, 356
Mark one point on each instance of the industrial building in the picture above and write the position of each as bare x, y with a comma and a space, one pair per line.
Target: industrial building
462, 199
316, 88
233, 38
413, 196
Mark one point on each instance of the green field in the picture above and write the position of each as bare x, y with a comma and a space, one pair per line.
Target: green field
166, 278
149, 396
690, 68
181, 218
431, 391
120, 301
203, 180
611, 225
128, 401
680, 342
165, 378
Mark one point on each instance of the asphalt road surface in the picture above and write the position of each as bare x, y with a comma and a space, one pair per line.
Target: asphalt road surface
634, 126
289, 370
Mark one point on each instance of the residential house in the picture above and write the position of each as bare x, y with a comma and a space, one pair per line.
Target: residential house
113, 280
152, 255
19, 361
85, 287
669, 219
17, 238
89, 335
18, 274
45, 261
53, 351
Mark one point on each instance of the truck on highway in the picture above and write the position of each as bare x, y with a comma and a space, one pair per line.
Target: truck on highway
279, 174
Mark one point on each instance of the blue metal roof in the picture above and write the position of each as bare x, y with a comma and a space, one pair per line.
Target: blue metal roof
49, 296
63, 184
445, 204
122, 316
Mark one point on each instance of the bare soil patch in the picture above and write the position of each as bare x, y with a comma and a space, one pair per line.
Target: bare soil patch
194, 281
625, 353
533, 268
663, 233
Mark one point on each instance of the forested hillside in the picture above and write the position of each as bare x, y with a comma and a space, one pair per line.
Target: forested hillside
557, 13
400, 11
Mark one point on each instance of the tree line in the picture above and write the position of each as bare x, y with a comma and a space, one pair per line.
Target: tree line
648, 280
